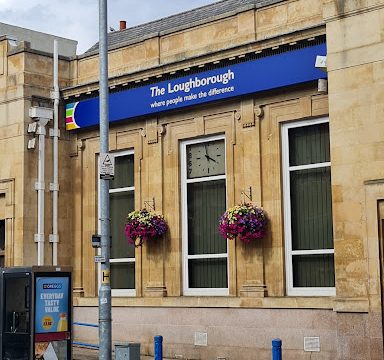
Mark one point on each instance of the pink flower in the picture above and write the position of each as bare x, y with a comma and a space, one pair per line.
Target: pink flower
142, 225
247, 222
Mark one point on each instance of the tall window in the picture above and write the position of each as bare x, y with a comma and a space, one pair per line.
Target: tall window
308, 208
205, 254
121, 196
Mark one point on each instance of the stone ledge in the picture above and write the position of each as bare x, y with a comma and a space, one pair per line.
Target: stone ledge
216, 302
357, 305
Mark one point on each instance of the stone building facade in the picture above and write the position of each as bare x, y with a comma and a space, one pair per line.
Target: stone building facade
312, 159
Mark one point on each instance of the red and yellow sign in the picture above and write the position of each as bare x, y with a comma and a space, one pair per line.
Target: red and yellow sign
47, 322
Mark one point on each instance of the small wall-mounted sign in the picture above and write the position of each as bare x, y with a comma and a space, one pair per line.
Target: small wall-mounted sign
312, 343
99, 259
107, 166
201, 338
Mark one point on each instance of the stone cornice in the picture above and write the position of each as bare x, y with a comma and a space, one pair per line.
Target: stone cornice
353, 12
161, 70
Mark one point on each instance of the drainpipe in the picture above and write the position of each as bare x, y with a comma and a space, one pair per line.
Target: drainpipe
42, 115
54, 133
40, 187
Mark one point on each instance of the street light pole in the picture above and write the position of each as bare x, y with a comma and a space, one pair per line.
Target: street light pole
105, 333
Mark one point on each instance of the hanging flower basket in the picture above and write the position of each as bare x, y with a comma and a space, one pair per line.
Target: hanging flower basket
143, 225
247, 222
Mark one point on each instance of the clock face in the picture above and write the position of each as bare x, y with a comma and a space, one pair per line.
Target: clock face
206, 159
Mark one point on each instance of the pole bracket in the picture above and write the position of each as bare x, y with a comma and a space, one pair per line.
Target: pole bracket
54, 238
150, 204
54, 186
41, 130
55, 94
54, 132
39, 238
246, 194
39, 185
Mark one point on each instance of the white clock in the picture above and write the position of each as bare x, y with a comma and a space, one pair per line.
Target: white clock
206, 159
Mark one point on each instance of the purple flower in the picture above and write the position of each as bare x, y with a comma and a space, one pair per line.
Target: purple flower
142, 225
247, 222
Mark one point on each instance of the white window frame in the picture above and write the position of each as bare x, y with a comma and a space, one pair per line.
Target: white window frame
291, 290
116, 292
187, 291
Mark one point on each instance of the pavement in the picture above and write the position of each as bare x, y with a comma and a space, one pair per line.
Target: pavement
80, 353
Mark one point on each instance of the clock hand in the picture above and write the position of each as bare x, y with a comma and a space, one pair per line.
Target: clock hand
206, 154
209, 158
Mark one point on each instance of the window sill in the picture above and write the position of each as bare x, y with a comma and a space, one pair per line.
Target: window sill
291, 302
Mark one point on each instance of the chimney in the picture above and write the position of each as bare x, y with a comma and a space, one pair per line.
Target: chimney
123, 25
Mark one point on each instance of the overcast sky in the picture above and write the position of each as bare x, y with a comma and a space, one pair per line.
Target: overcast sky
78, 19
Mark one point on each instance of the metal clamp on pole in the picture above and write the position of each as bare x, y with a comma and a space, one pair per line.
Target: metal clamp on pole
53, 238
39, 238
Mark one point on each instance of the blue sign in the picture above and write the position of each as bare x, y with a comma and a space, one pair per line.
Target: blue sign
51, 309
271, 72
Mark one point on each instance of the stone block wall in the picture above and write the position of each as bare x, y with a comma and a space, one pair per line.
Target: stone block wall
356, 89
238, 334
25, 81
